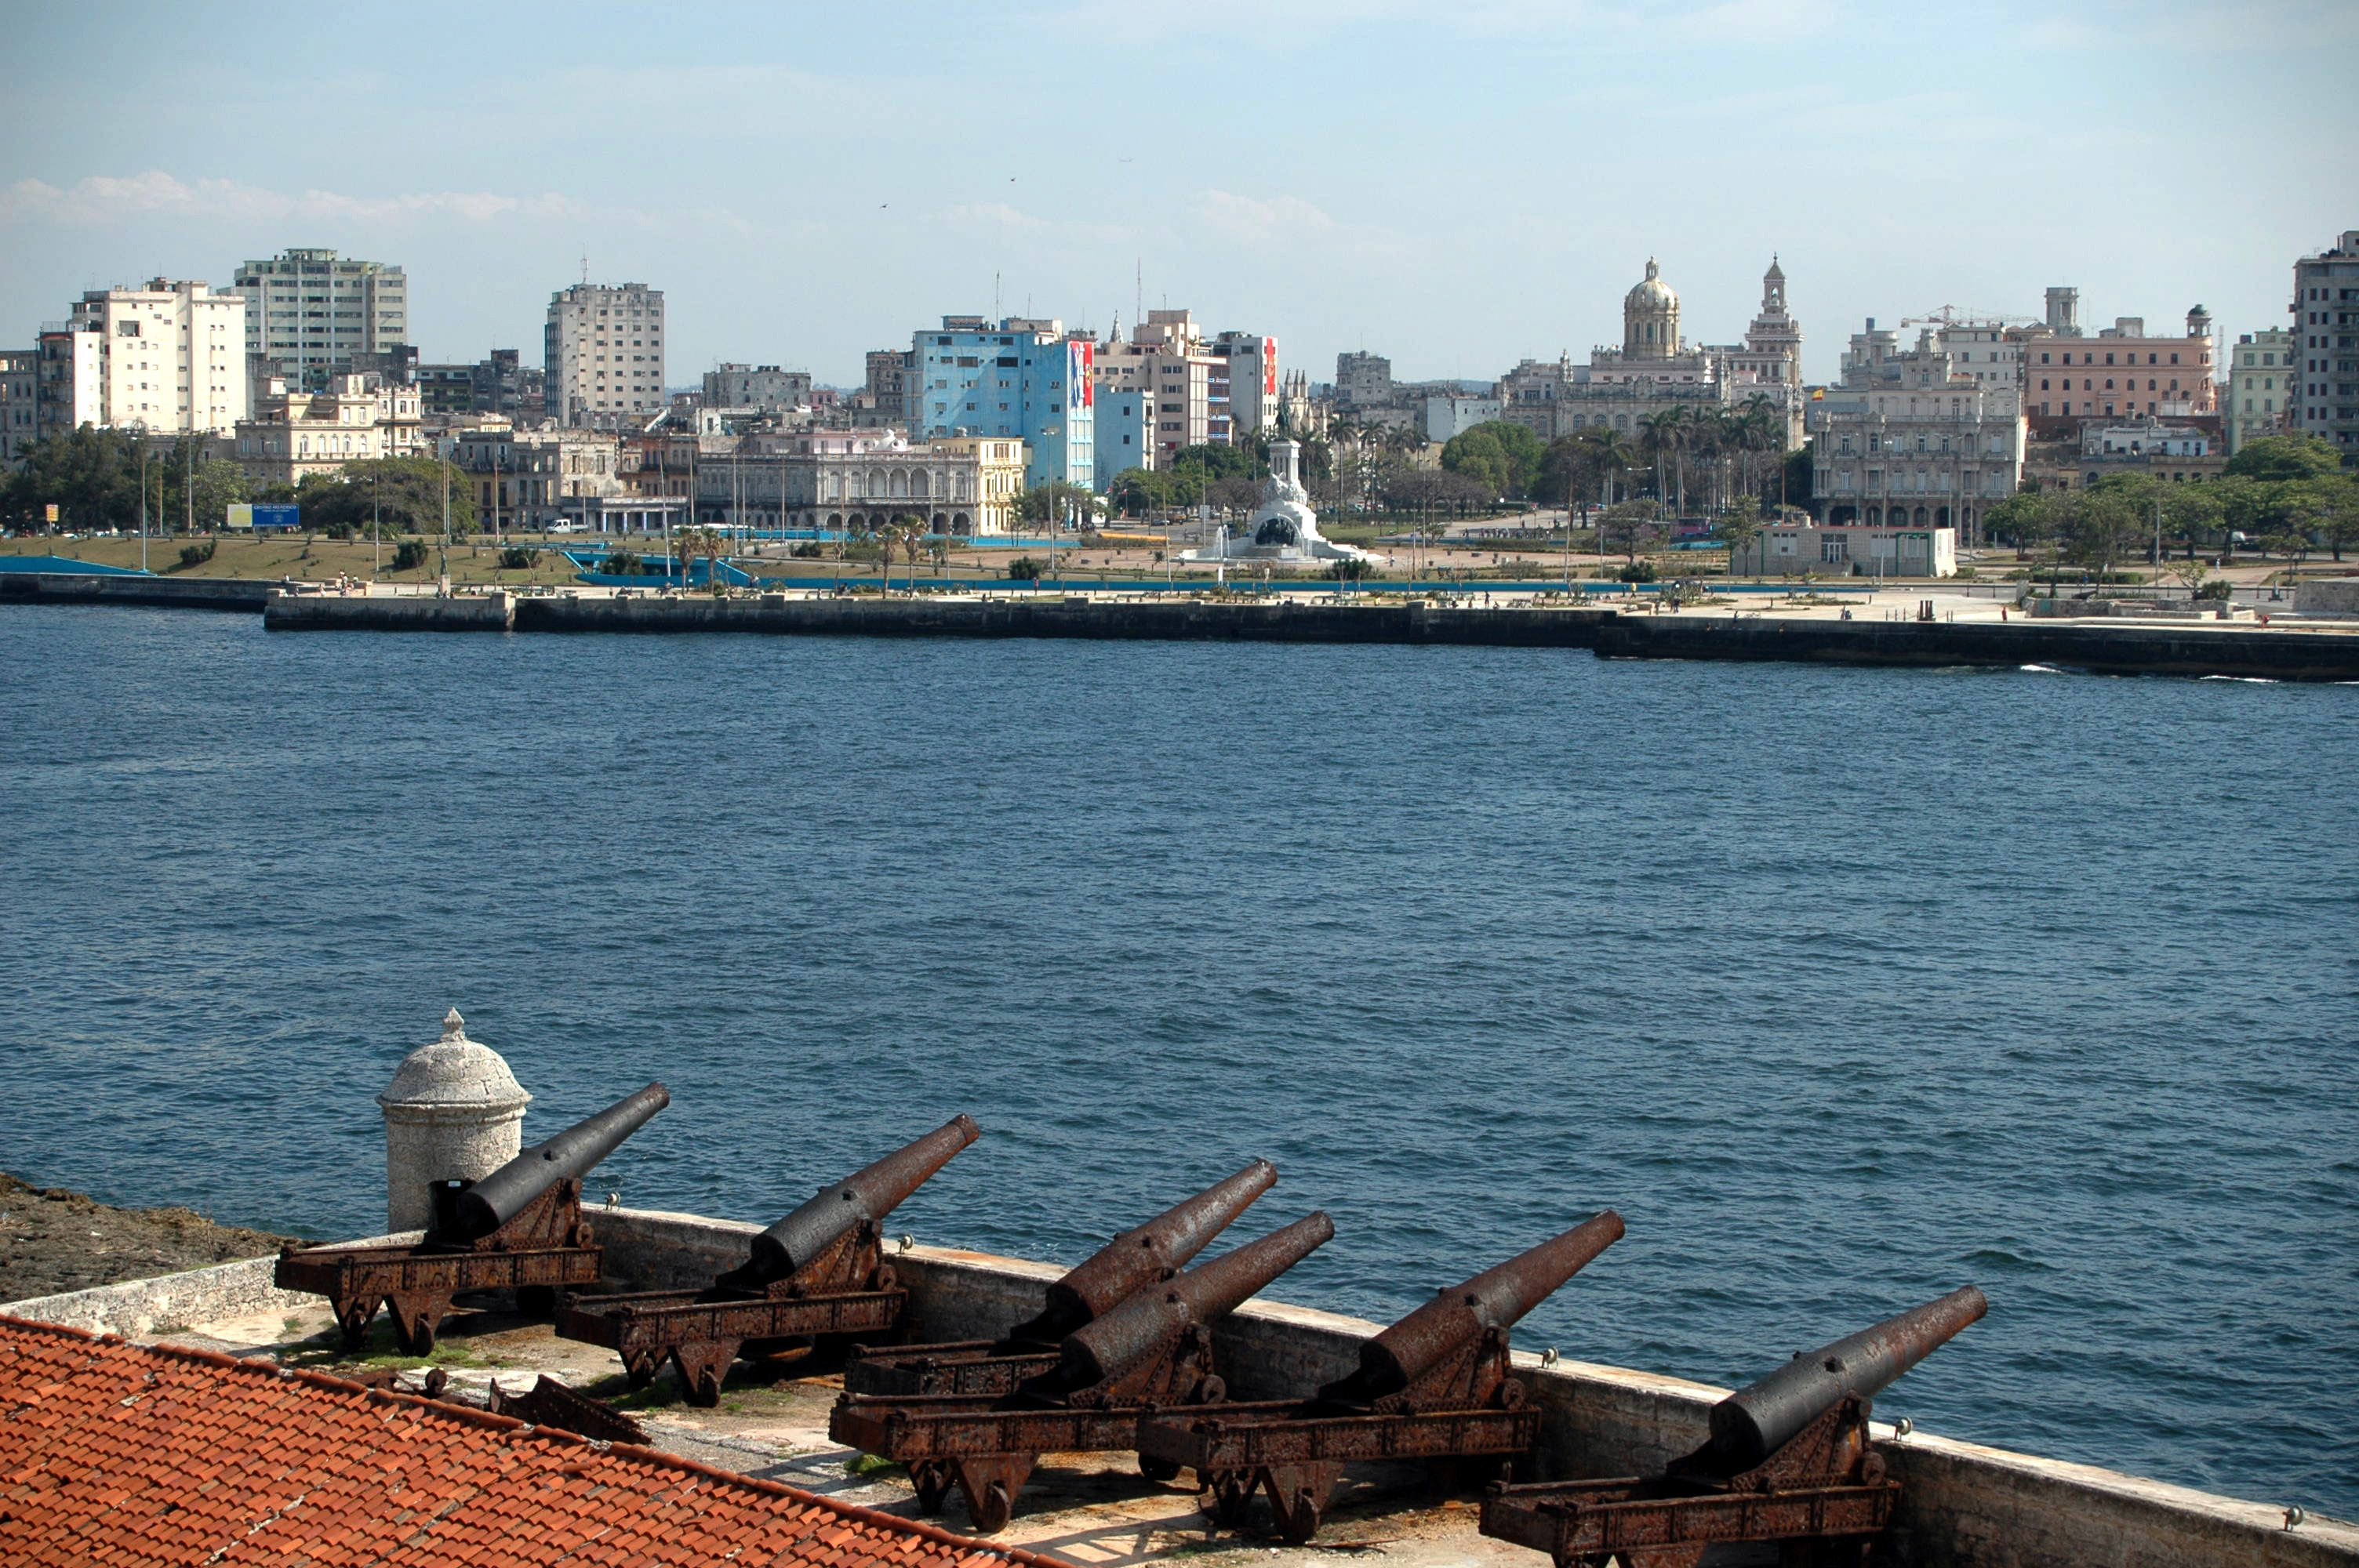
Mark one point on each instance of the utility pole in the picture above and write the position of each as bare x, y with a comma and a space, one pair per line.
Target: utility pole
442, 550
189, 478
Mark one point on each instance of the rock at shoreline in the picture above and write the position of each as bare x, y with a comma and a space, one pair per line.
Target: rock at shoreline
53, 1240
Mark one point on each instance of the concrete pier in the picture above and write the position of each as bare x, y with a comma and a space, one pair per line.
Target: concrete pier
245, 595
373, 612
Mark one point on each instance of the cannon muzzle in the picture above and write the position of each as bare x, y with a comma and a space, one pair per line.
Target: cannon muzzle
1493, 1300
574, 1152
1757, 1421
866, 1197
1135, 1328
1147, 1255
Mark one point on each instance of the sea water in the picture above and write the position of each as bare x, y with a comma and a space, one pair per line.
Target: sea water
1845, 987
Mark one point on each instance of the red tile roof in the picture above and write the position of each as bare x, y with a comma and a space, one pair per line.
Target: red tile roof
127, 1453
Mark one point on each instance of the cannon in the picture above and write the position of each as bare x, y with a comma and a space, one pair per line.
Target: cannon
1789, 1461
1434, 1387
819, 1274
1150, 1351
1129, 1263
520, 1228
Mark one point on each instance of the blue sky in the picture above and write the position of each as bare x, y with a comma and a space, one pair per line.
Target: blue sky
1457, 186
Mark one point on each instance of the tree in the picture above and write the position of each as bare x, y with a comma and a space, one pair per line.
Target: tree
406, 493
2098, 526
1658, 436
2327, 509
91, 475
1499, 454
1796, 478
1737, 528
2026, 519
2285, 458
1627, 527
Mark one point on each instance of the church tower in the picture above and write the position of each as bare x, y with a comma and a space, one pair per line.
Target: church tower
1650, 319
1774, 331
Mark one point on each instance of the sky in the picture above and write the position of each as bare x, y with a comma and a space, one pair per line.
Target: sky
1458, 184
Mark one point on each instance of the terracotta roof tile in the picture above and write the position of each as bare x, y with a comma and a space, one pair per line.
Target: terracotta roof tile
148, 1454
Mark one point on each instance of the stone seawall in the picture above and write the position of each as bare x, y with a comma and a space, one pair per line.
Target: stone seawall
136, 1308
2105, 650
366, 612
245, 595
1164, 619
1965, 1506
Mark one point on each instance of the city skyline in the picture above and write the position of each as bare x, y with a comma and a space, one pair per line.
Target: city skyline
1458, 194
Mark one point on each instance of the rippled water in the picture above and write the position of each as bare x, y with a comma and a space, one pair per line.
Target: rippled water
1844, 986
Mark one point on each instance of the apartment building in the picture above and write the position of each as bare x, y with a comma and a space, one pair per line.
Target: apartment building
530, 479
1911, 439
310, 312
603, 355
2326, 327
1021, 379
1198, 390
295, 434
2122, 370
19, 404
169, 356
764, 387
884, 387
2262, 384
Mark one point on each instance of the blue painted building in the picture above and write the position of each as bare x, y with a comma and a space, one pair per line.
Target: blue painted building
1023, 378
1125, 432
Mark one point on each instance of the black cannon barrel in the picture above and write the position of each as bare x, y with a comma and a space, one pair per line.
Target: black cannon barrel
1135, 1328
1152, 1252
866, 1196
1757, 1421
1495, 1298
502, 1195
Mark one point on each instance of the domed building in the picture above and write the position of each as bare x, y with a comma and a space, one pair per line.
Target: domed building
1650, 317
1656, 369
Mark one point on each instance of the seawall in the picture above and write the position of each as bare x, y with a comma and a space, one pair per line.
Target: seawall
2194, 650
1964, 1505
405, 613
245, 595
1159, 620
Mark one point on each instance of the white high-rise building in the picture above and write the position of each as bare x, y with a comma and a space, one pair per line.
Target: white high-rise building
604, 352
309, 313
170, 356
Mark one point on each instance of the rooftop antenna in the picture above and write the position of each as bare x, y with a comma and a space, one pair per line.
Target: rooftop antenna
995, 297
585, 271
1137, 291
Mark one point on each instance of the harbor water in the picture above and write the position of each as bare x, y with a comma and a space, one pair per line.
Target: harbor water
1845, 987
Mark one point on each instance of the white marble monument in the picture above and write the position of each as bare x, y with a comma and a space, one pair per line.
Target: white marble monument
1283, 530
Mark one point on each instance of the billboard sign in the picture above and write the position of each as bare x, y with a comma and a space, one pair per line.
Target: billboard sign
1081, 382
286, 517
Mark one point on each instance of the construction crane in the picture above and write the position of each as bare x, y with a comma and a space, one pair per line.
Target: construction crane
1948, 316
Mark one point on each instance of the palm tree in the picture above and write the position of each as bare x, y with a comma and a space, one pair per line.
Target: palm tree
1658, 434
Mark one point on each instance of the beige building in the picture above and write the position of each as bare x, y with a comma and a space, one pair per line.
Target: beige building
526, 479
310, 313
604, 347
1796, 549
169, 356
294, 435
863, 480
2121, 371
19, 405
1197, 390
1911, 439
2261, 381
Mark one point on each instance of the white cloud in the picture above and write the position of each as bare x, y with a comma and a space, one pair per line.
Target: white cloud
1252, 219
106, 199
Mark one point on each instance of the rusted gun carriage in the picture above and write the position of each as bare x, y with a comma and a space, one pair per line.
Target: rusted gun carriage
1129, 1263
1433, 1386
1152, 1351
818, 1273
1789, 1461
520, 1228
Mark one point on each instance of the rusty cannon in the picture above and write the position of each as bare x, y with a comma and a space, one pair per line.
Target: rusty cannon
1434, 1387
520, 1228
1789, 1461
1150, 1352
1131, 1262
818, 1274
